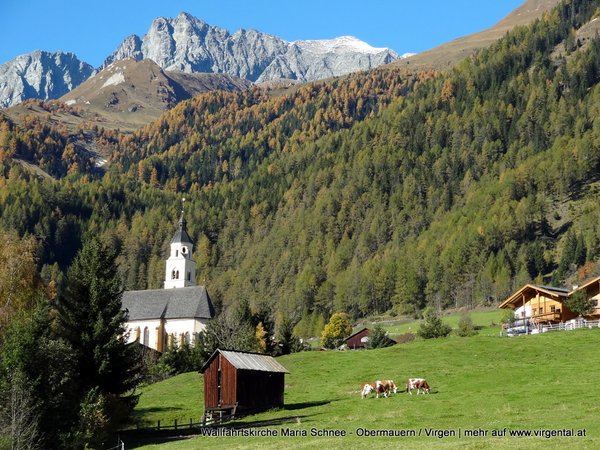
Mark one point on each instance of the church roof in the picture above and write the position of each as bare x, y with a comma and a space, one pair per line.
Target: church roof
178, 303
181, 235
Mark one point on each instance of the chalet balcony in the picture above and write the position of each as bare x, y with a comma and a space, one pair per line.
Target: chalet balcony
554, 316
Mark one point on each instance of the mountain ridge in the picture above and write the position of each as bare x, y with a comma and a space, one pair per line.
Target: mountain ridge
189, 44
128, 94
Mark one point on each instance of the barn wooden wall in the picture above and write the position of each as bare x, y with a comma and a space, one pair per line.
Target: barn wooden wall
251, 389
211, 392
260, 389
355, 342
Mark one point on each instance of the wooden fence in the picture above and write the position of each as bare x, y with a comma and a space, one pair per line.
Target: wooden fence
216, 416
574, 324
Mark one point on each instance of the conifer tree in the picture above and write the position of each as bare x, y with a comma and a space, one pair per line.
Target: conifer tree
287, 341
378, 338
91, 320
433, 327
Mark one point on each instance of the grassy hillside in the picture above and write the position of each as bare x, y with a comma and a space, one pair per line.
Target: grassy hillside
486, 382
485, 320
448, 54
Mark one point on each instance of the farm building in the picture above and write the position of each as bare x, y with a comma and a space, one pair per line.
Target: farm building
358, 340
239, 381
535, 306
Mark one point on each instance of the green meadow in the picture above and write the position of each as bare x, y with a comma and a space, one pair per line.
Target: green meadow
545, 384
487, 320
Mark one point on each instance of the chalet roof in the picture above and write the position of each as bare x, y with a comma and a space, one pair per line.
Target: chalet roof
357, 333
553, 289
583, 286
179, 303
549, 290
247, 361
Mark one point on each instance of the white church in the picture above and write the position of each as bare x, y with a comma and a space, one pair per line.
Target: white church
159, 318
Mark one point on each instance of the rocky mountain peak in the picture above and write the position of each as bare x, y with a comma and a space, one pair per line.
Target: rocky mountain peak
191, 45
130, 48
42, 75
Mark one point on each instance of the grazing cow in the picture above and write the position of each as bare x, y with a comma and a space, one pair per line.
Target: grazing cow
389, 386
420, 384
366, 390
380, 388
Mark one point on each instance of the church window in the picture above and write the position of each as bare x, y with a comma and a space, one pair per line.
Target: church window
189, 276
177, 275
146, 336
176, 253
173, 275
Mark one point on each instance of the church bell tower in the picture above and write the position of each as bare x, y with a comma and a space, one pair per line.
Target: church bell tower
181, 268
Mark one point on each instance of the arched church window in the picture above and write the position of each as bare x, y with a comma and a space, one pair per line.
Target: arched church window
187, 338
177, 275
173, 275
189, 276
146, 336
176, 253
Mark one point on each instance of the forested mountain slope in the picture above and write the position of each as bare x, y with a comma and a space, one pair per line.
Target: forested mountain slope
377, 191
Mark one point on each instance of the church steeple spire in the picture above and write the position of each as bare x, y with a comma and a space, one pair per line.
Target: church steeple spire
182, 222
181, 268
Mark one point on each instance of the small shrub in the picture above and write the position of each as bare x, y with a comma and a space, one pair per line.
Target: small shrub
433, 327
378, 338
465, 327
508, 317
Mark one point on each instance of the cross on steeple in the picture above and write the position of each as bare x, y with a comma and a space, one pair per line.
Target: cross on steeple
182, 222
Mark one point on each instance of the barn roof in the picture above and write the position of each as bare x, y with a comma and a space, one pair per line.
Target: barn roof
357, 333
247, 361
180, 303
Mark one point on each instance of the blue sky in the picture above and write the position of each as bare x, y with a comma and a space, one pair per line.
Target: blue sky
93, 30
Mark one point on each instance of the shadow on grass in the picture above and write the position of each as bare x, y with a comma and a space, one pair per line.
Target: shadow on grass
142, 411
266, 422
134, 438
295, 406
140, 438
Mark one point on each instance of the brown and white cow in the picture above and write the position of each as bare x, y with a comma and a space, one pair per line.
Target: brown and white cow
389, 386
383, 388
366, 390
420, 384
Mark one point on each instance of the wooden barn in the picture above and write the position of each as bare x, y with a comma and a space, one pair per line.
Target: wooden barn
241, 382
358, 340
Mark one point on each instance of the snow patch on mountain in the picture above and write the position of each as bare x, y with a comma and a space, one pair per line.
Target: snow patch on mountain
114, 79
342, 44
